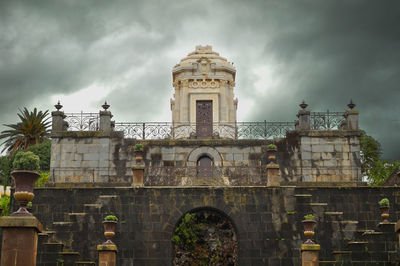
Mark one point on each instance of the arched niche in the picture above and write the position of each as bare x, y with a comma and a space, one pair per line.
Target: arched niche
204, 151
205, 236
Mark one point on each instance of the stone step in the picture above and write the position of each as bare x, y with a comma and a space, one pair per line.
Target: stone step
42, 238
327, 263
52, 247
70, 257
357, 245
342, 255
85, 263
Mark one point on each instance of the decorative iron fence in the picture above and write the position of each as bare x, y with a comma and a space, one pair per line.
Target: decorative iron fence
326, 120
239, 130
82, 121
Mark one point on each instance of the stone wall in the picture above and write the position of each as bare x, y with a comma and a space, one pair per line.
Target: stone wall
107, 159
267, 221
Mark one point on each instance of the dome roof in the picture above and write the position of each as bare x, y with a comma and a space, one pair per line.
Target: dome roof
204, 53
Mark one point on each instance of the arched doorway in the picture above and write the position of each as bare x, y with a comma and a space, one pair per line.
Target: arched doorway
204, 166
205, 237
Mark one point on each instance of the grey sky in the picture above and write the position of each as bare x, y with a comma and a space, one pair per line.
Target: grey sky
325, 52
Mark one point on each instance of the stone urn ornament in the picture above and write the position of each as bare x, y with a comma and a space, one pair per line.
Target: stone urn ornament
110, 224
384, 206
309, 226
138, 148
26, 165
271, 151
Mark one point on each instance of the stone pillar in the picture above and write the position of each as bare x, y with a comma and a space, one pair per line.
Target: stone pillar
138, 175
20, 238
304, 117
273, 175
57, 118
107, 254
272, 167
397, 230
105, 119
310, 254
351, 117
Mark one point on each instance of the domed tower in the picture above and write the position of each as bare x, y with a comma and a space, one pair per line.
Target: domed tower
203, 103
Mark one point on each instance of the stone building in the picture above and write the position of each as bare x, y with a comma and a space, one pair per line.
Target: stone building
207, 163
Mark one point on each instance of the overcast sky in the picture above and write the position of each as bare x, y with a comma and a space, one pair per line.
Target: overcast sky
86, 51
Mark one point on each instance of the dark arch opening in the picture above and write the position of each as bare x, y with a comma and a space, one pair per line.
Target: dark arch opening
204, 166
205, 236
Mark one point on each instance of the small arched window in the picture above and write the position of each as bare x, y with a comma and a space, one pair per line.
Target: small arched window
204, 166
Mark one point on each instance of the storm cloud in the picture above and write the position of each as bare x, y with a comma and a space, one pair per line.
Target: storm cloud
85, 52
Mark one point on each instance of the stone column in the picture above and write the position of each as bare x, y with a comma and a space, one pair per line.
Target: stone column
20, 238
272, 167
107, 254
57, 118
310, 254
351, 117
105, 119
138, 175
397, 230
304, 117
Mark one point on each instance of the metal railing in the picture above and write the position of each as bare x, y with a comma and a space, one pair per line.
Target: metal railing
326, 120
82, 121
239, 130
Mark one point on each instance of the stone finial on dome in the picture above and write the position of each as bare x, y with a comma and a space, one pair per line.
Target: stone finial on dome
203, 49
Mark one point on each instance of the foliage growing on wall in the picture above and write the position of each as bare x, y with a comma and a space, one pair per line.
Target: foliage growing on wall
205, 238
372, 166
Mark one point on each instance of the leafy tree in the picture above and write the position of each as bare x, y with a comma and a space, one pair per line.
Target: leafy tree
33, 128
42, 150
370, 152
372, 165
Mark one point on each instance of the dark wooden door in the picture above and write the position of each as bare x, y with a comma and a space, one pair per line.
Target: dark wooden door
204, 119
204, 167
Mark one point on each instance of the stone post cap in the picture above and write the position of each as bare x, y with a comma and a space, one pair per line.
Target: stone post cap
352, 112
310, 247
103, 247
303, 112
57, 113
105, 113
21, 221
272, 165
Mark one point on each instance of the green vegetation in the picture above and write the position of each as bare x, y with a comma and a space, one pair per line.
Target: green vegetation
372, 166
26, 161
43, 151
384, 202
271, 147
138, 147
29, 204
5, 205
111, 218
186, 234
309, 217
33, 128
43, 179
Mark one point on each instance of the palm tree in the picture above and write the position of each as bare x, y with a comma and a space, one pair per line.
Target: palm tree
33, 128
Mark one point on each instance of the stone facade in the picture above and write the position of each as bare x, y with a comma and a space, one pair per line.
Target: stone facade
107, 159
267, 222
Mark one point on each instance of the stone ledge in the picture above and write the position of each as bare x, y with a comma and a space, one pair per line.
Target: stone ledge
310, 247
88, 134
325, 133
21, 222
200, 142
107, 248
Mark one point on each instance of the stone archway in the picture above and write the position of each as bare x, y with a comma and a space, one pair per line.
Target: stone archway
205, 236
